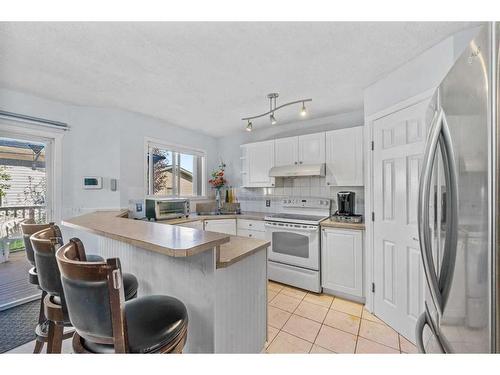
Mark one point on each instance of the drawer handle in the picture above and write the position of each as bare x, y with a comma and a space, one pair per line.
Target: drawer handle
250, 235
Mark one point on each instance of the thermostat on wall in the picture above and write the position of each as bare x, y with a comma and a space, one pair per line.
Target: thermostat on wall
92, 182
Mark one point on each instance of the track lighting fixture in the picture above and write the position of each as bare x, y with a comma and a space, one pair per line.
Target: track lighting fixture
273, 108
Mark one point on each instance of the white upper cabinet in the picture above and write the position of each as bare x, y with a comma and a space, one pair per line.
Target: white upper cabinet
259, 160
344, 157
305, 149
286, 151
312, 148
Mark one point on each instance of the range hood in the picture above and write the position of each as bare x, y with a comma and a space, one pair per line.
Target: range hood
298, 170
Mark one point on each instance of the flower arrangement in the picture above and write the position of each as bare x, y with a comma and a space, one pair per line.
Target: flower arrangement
218, 181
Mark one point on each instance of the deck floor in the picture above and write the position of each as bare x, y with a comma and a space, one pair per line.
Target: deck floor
14, 286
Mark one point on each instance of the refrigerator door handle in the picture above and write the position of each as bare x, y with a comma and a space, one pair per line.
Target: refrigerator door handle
423, 209
451, 207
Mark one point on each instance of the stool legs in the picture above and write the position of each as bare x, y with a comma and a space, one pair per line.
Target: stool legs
55, 338
40, 339
55, 317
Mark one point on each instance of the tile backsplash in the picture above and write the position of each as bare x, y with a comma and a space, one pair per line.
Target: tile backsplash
254, 199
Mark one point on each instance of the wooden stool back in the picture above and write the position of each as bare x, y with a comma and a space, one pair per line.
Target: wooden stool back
94, 296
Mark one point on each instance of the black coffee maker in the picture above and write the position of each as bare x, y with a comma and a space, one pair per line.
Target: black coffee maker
345, 208
345, 203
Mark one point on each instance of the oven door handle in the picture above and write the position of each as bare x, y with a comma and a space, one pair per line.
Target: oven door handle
291, 229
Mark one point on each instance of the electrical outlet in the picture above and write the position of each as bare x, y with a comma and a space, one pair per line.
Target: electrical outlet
268, 203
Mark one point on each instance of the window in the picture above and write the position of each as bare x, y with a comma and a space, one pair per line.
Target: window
174, 171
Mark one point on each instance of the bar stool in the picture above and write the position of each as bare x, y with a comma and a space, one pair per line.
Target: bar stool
105, 323
45, 244
28, 228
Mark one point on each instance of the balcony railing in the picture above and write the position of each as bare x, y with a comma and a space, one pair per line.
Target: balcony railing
11, 218
36, 212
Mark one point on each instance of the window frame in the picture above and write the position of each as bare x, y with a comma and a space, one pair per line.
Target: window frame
148, 142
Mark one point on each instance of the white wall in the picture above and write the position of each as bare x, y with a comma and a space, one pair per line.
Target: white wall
103, 142
423, 73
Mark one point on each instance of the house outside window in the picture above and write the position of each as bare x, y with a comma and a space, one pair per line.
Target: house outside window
174, 171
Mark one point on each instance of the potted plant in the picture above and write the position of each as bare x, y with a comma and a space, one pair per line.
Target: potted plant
218, 182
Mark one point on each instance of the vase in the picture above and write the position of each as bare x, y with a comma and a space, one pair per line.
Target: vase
218, 199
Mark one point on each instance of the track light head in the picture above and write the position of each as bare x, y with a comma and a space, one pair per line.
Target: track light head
303, 111
273, 119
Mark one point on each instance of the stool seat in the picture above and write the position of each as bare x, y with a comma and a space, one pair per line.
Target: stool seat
130, 286
152, 323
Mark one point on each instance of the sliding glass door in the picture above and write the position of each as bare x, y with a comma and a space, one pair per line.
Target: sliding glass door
26, 193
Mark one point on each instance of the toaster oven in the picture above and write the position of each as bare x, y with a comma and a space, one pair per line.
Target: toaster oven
163, 209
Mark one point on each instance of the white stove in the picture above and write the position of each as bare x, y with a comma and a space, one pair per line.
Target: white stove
294, 254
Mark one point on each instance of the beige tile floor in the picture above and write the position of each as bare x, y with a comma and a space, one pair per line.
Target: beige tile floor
303, 322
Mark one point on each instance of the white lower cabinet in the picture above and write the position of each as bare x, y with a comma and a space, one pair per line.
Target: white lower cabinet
192, 224
227, 226
251, 229
342, 262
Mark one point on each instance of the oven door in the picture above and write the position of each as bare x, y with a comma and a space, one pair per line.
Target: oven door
293, 244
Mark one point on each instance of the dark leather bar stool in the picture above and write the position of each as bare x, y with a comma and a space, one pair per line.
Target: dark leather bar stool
45, 244
103, 321
28, 228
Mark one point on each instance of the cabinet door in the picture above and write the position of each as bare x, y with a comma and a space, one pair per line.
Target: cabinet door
260, 159
286, 151
244, 166
227, 226
312, 148
342, 261
344, 157
192, 224
251, 234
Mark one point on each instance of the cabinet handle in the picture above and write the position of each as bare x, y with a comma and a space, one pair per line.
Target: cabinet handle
250, 235
328, 183
295, 163
300, 162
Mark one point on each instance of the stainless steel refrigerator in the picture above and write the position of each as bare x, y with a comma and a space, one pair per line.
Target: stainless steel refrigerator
458, 207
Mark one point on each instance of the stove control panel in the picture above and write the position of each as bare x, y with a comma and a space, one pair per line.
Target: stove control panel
306, 203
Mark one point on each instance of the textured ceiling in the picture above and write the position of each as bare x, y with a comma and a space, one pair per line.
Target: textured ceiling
206, 76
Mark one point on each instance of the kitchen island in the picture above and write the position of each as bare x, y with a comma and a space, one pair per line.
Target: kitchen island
221, 279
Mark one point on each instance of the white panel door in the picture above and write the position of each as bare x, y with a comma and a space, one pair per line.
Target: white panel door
344, 157
398, 273
312, 148
286, 151
260, 159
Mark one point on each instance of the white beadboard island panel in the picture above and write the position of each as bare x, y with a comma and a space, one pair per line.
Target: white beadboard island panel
227, 307
190, 279
241, 305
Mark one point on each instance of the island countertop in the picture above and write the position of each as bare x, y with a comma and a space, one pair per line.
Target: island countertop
170, 240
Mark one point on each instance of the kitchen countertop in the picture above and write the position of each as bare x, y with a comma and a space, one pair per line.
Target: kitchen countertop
170, 239
335, 224
195, 217
238, 248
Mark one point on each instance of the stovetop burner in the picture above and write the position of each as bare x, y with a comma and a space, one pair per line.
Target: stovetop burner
296, 218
